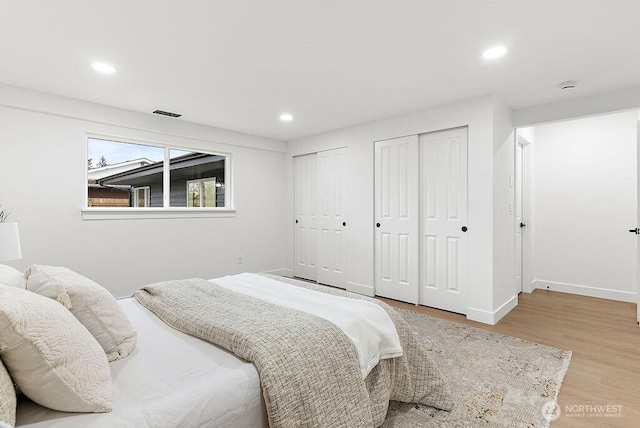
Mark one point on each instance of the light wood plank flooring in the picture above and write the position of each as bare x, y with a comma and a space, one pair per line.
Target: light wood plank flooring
604, 338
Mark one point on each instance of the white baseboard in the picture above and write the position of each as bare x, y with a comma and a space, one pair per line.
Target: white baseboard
281, 272
583, 290
479, 315
492, 318
505, 309
529, 288
367, 290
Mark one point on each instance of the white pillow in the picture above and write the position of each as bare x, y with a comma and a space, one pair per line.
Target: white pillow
7, 398
91, 304
52, 358
12, 277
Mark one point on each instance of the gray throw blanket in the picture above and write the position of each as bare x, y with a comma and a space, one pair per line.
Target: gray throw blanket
308, 367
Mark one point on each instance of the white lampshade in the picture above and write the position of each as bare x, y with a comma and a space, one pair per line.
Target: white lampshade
10, 242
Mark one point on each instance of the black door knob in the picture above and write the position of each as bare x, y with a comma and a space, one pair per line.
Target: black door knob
636, 231
523, 225
296, 221
464, 228
344, 223
377, 224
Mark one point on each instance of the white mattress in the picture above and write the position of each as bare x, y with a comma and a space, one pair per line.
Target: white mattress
171, 380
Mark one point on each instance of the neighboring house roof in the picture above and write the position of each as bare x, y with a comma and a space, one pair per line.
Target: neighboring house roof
137, 175
95, 174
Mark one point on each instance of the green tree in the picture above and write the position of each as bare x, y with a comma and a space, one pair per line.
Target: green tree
90, 163
102, 162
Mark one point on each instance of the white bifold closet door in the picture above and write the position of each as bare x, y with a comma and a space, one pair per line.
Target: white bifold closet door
320, 232
397, 218
421, 219
443, 212
306, 219
332, 224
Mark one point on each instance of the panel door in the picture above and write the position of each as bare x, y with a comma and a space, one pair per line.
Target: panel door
397, 219
443, 201
305, 213
331, 220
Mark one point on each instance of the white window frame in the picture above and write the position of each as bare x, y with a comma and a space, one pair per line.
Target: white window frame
147, 196
166, 211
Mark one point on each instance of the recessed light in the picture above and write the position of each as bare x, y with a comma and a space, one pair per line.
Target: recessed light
103, 67
286, 117
494, 52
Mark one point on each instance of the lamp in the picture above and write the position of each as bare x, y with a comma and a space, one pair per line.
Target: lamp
10, 242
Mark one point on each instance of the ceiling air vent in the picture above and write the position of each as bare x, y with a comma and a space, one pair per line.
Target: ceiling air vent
167, 113
568, 85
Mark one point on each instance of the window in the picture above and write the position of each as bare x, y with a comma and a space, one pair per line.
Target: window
141, 196
197, 179
133, 175
124, 175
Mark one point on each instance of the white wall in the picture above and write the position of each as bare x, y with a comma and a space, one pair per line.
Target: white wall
584, 176
528, 133
478, 115
604, 103
504, 296
42, 182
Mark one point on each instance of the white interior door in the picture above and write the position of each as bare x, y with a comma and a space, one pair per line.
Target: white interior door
443, 209
305, 213
519, 219
397, 219
524, 276
331, 220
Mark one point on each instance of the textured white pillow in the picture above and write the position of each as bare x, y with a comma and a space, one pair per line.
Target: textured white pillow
91, 304
52, 358
12, 277
7, 398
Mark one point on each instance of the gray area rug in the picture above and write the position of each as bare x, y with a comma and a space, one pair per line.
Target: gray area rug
497, 380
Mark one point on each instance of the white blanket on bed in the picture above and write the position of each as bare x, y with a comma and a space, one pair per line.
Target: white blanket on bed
366, 324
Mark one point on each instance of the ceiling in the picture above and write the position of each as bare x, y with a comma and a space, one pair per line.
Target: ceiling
331, 63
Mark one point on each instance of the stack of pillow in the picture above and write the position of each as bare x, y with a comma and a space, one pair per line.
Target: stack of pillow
58, 333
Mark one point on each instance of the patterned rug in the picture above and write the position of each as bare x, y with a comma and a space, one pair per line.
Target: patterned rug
497, 380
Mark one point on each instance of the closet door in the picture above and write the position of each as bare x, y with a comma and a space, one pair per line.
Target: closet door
331, 220
305, 205
443, 211
397, 219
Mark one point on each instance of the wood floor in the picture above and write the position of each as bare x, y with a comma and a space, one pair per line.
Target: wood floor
605, 340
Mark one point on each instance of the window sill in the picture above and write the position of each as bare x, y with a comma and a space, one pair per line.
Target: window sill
154, 213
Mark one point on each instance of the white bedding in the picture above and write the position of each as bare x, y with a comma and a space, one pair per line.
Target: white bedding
366, 324
171, 380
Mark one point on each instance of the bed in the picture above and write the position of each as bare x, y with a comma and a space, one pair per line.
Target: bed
298, 360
